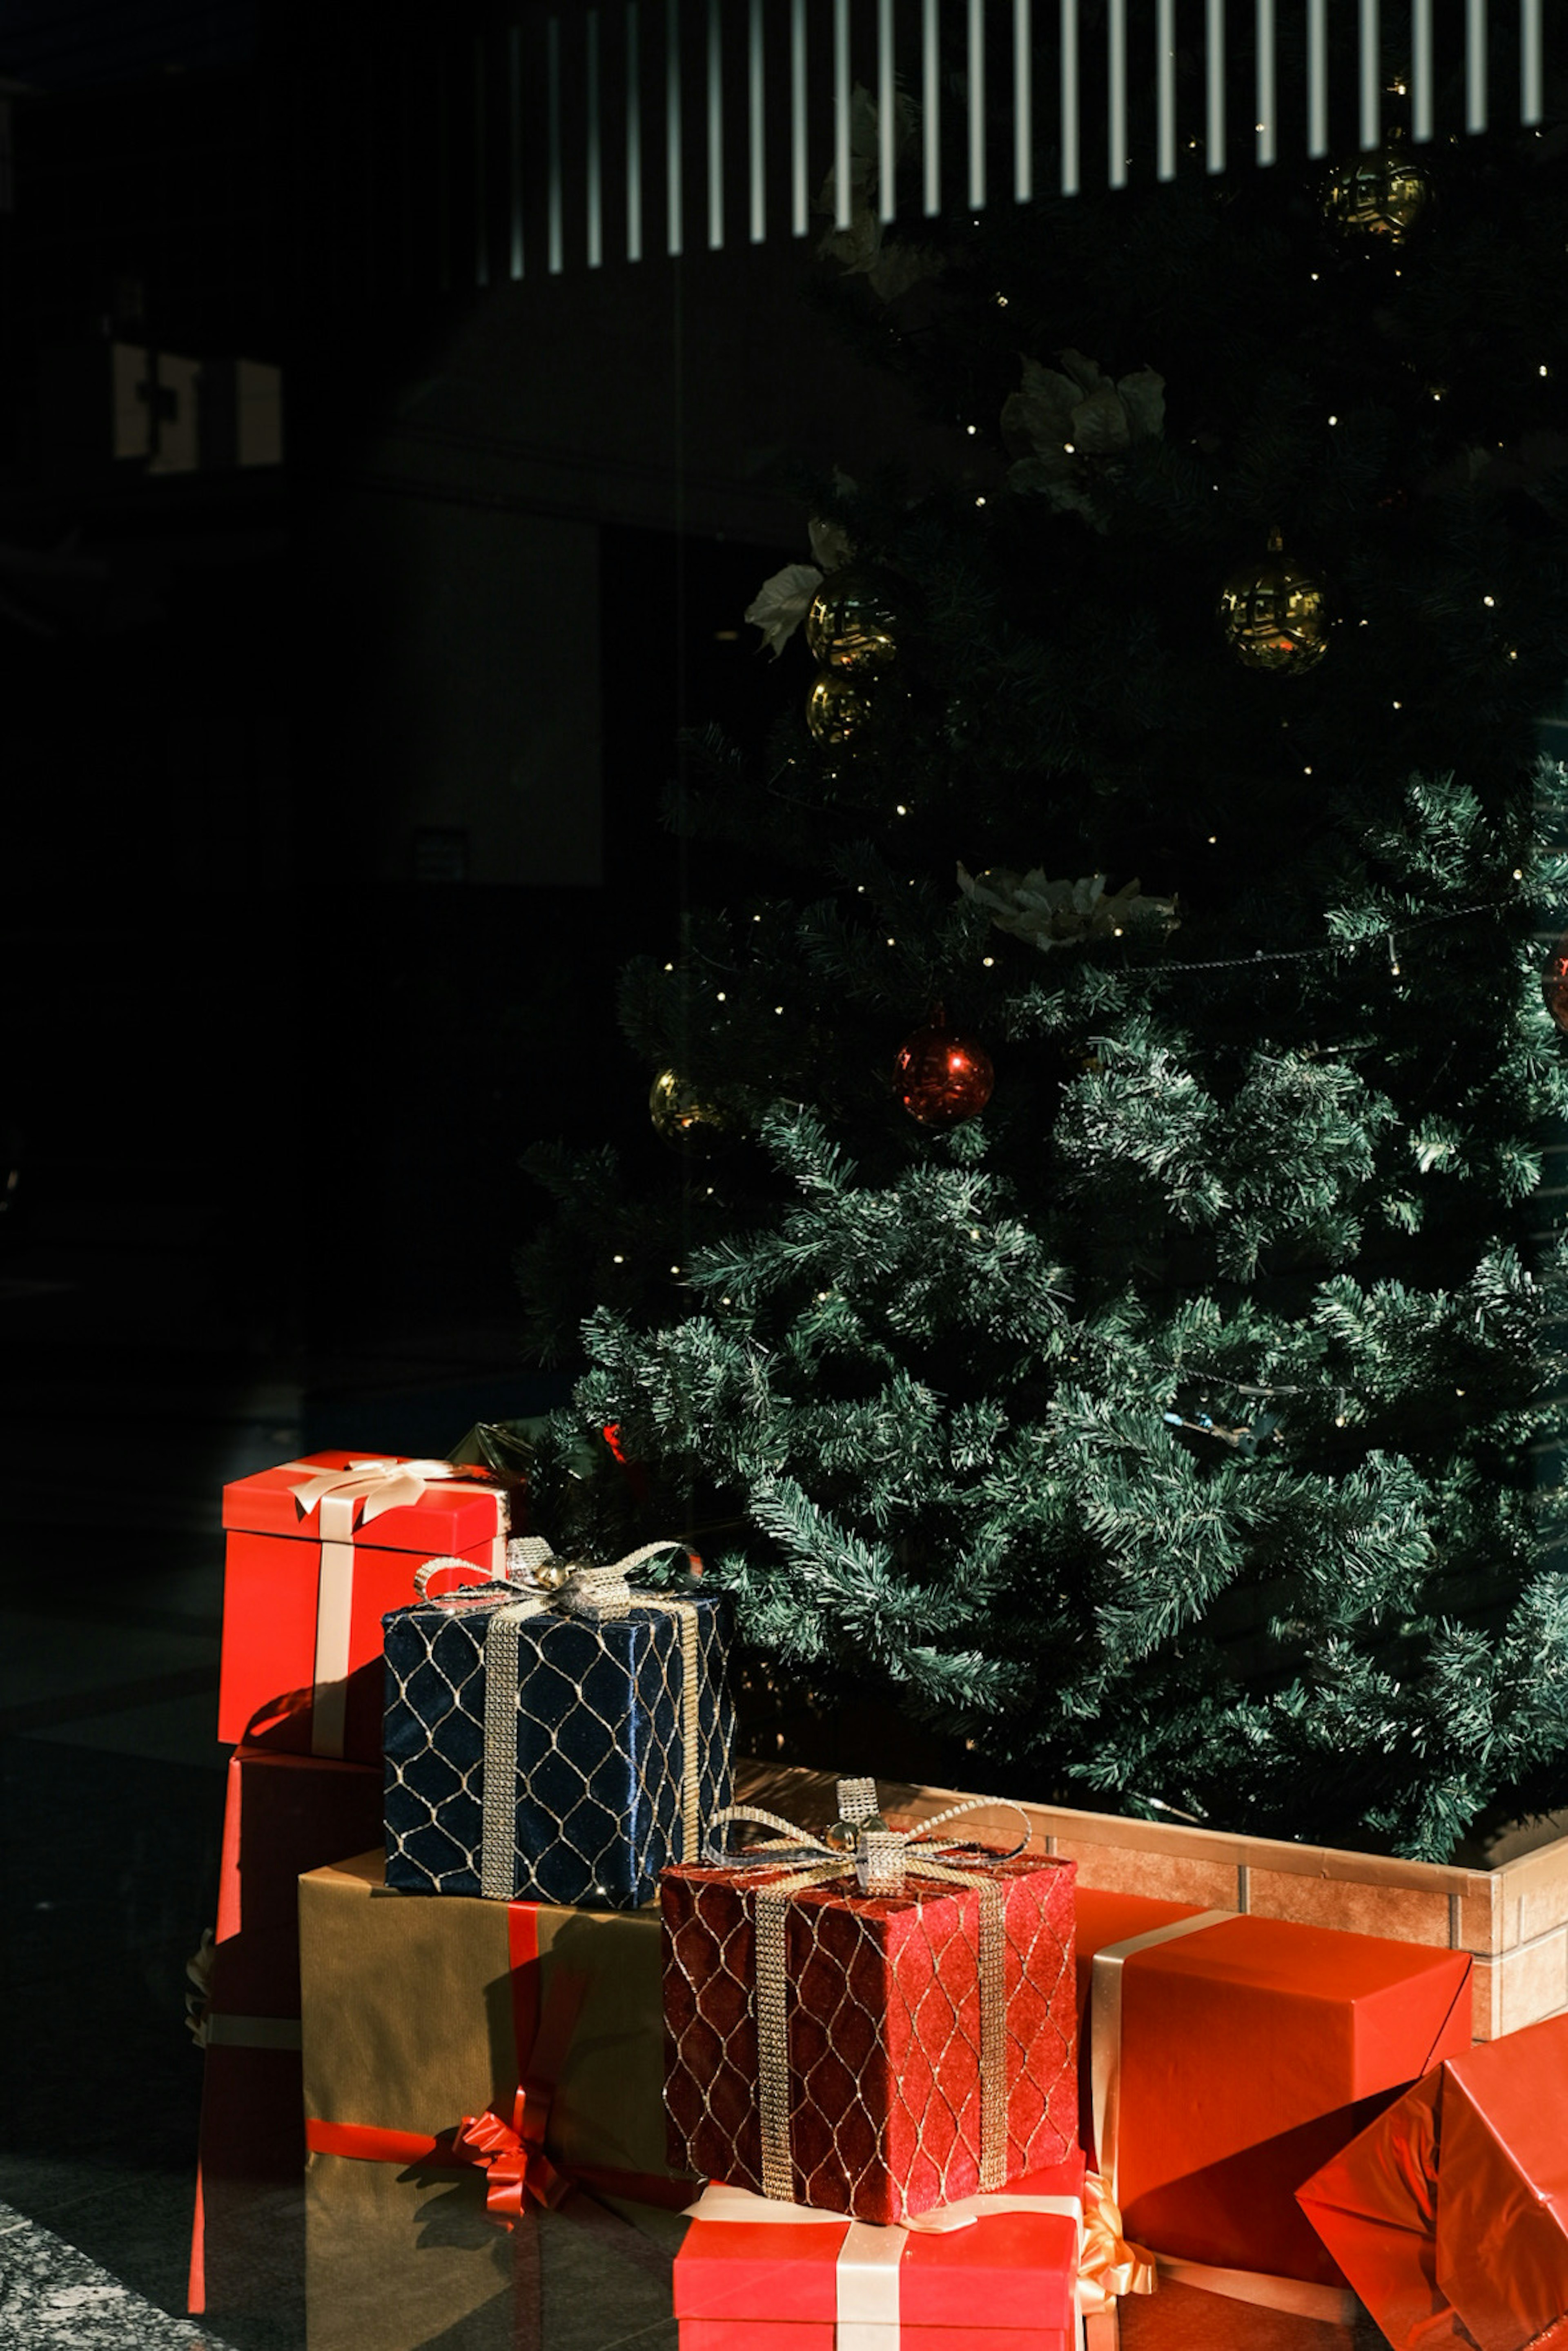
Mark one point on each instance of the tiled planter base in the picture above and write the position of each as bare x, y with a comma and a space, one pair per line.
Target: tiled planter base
1513, 1917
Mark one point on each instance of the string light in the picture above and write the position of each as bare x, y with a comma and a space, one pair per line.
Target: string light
1333, 420
987, 962
618, 1259
971, 430
1399, 706
778, 1007
1488, 600
721, 995
899, 810
669, 966
979, 502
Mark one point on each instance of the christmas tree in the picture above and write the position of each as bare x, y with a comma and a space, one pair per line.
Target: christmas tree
1162, 1425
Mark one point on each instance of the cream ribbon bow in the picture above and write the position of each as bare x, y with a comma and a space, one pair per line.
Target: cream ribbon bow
379, 1485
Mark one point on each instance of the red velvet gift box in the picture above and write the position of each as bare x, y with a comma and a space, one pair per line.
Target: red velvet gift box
848, 2075
283, 1814
1449, 2214
318, 1551
755, 2276
1229, 2056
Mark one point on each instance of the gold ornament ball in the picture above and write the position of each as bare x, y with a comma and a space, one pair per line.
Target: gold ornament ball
1274, 615
850, 625
841, 708
684, 1117
1378, 197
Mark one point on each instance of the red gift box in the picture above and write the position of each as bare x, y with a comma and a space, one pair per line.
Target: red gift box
283, 1814
1449, 2215
319, 1551
755, 2276
862, 2041
1231, 2055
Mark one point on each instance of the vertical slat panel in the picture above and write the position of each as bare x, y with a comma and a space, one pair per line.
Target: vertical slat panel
1267, 91
756, 86
1475, 65
556, 251
1421, 69
481, 227
443, 176
1531, 67
1371, 90
594, 154
931, 95
715, 131
1116, 89
634, 131
1318, 76
1164, 87
674, 188
1071, 140
886, 115
977, 105
1214, 131
1023, 102
515, 144
799, 214
841, 114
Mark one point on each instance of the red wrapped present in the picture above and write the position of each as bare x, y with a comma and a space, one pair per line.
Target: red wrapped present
1229, 2056
283, 1814
876, 2024
319, 1551
992, 2273
1187, 2318
1449, 2214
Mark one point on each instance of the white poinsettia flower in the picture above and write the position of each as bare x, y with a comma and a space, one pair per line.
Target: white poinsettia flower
781, 603
1059, 914
861, 247
1060, 417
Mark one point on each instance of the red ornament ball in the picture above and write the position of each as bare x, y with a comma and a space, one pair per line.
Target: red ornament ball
943, 1078
1554, 983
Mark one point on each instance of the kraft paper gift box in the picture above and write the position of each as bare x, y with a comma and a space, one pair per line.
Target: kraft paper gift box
515, 2039
1449, 2214
317, 1550
755, 2276
282, 1814
873, 2031
1230, 2056
556, 1742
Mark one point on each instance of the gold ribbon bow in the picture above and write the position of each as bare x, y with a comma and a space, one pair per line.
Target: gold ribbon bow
861, 1845
1108, 2266
537, 1582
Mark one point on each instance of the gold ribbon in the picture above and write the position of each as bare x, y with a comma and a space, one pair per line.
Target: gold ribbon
537, 1582
1293, 2294
868, 2263
369, 1487
877, 1857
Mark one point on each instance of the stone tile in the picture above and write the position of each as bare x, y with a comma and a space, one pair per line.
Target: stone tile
52, 2298
1533, 1893
1399, 1912
1534, 1981
1485, 1920
1168, 1877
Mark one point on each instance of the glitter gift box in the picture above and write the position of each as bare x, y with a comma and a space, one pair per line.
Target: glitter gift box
558, 1742
1449, 2215
873, 2030
318, 1551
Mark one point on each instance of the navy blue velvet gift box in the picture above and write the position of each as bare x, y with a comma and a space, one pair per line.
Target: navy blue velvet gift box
538, 1751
